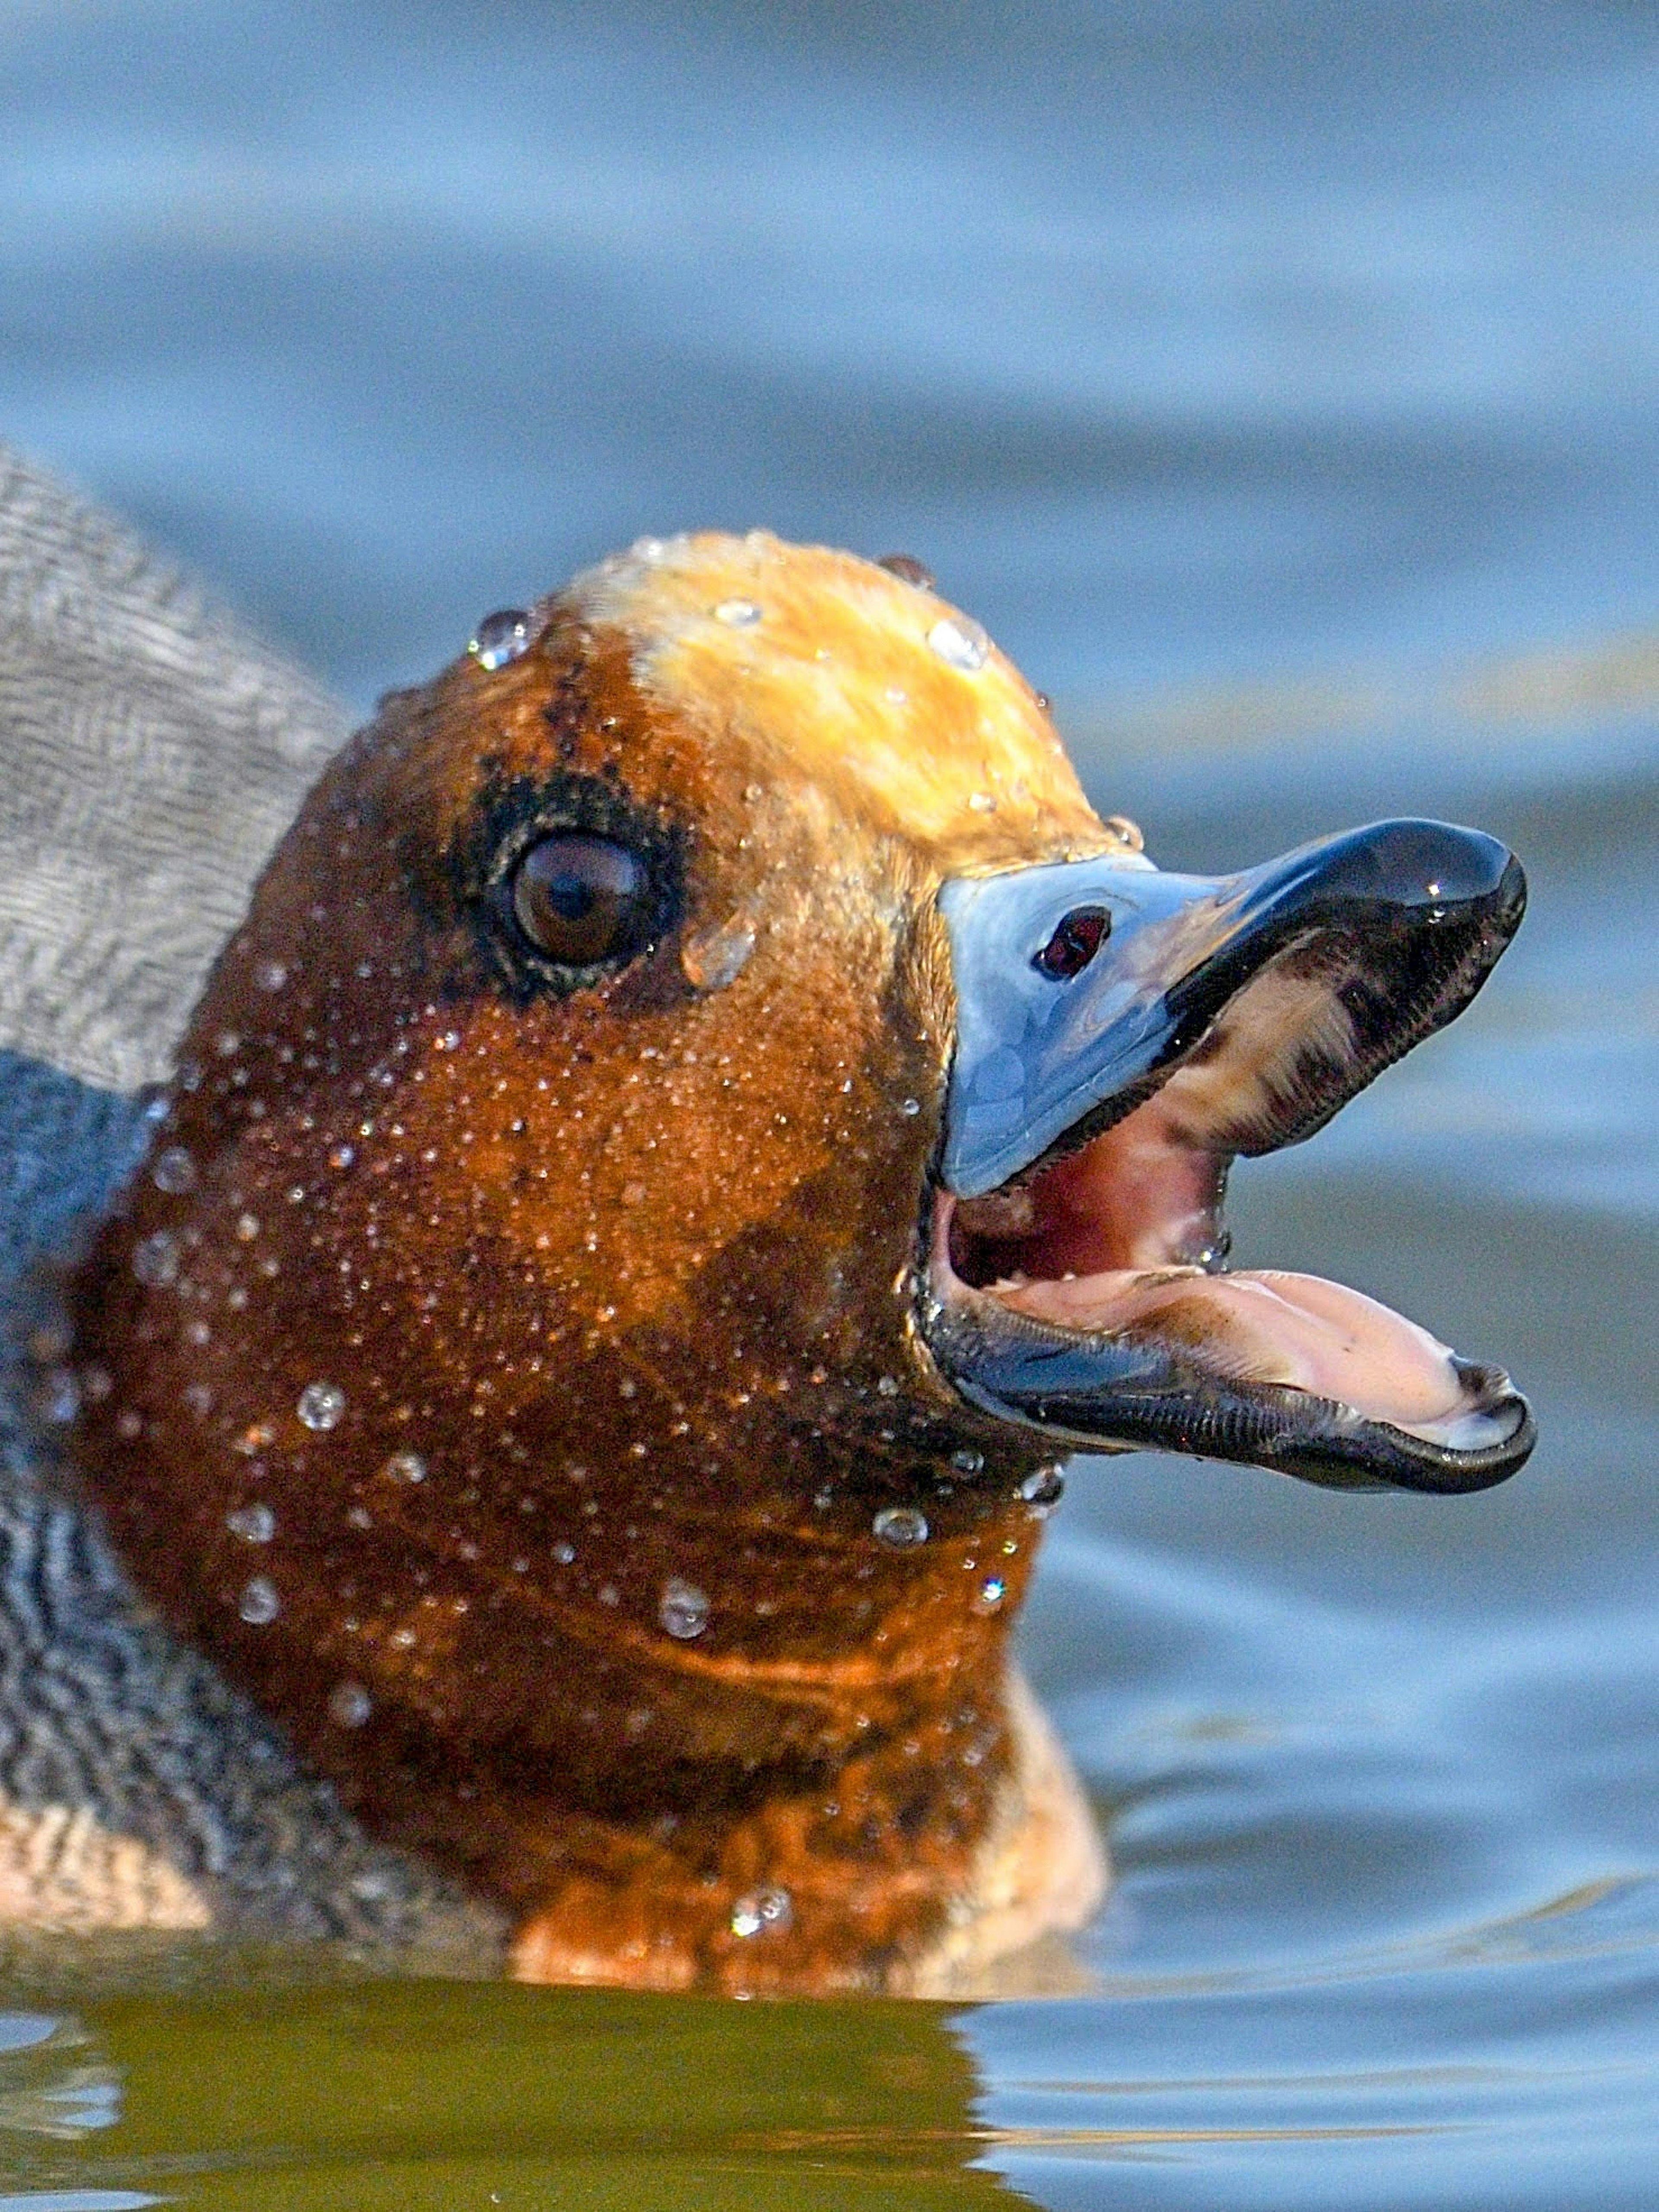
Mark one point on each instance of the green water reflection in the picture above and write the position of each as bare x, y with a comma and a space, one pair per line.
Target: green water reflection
435, 2093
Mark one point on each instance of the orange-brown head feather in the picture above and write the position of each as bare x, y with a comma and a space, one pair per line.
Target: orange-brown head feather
505, 1379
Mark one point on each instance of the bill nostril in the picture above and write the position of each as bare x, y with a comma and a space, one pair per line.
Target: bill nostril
1078, 937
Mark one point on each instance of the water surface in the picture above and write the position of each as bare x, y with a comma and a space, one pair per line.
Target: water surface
1278, 383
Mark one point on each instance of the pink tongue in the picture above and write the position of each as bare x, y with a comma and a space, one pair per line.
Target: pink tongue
1267, 1327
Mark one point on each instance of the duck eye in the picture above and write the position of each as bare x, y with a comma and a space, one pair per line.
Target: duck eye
1078, 937
580, 900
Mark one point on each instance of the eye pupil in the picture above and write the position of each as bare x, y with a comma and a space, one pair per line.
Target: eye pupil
1078, 937
579, 900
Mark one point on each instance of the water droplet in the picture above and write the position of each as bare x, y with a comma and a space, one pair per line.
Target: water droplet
683, 1609
715, 957
901, 1528
341, 1156
248, 1228
648, 549
909, 570
1044, 1488
1127, 832
887, 1387
57, 1396
741, 614
404, 1467
349, 1704
155, 1260
271, 975
174, 1171
321, 1405
990, 1594
910, 1108
968, 1462
981, 802
259, 1604
959, 642
254, 1524
565, 1553
227, 1044
500, 637
762, 1911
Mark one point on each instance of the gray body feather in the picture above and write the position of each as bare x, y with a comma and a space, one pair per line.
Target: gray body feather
151, 754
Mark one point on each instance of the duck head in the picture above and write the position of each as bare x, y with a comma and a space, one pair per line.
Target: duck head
699, 1113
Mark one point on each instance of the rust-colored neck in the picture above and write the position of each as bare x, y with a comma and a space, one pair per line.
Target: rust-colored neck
520, 1395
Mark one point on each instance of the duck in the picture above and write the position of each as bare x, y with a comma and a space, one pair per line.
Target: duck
556, 1397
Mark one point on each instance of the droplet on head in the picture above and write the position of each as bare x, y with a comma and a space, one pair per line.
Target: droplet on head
1043, 1489
968, 1462
909, 569
321, 1405
271, 975
341, 1156
1127, 832
683, 1609
959, 642
349, 1704
717, 956
246, 1227
174, 1172
762, 1911
259, 1604
910, 1108
404, 1467
254, 1524
500, 637
155, 1260
650, 550
901, 1528
740, 614
989, 1595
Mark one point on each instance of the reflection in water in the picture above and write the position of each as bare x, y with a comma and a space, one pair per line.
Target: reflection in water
1276, 382
449, 2093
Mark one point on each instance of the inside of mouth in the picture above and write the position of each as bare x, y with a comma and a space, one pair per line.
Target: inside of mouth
1124, 1238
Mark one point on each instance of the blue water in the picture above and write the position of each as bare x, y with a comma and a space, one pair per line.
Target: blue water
1280, 384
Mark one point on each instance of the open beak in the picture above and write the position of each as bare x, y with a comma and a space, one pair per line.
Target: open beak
1123, 1034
